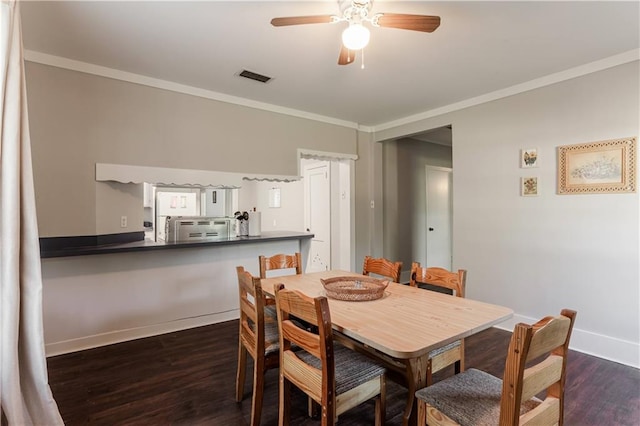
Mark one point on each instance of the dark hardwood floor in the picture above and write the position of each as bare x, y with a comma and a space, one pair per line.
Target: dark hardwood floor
188, 378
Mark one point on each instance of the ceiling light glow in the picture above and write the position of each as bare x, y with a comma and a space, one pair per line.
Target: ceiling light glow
355, 37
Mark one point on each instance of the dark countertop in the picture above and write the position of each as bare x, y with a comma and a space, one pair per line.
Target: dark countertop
147, 245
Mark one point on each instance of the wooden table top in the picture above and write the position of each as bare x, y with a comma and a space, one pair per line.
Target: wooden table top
407, 322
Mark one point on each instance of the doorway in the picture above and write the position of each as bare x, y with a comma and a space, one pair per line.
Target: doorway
329, 209
405, 223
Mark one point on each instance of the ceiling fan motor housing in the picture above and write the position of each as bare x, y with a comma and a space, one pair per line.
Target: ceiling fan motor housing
355, 11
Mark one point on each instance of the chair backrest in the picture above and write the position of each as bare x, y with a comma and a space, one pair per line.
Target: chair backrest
439, 277
252, 320
383, 267
549, 339
318, 383
280, 261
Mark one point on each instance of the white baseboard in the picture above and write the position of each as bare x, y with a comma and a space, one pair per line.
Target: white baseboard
606, 347
89, 342
612, 349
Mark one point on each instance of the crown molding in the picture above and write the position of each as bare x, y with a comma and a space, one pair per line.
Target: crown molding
70, 64
610, 62
87, 68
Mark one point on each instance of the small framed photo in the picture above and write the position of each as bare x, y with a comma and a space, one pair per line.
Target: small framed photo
529, 158
529, 186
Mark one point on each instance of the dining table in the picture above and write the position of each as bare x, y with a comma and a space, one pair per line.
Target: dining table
402, 327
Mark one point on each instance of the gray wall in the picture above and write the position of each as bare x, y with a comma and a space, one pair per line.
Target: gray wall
78, 120
368, 189
405, 197
540, 254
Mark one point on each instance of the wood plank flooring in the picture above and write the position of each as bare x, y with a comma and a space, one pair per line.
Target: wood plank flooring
188, 378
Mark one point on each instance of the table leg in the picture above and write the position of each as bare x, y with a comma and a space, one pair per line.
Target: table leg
416, 374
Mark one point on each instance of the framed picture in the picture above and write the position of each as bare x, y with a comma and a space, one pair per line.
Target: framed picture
605, 167
274, 198
529, 186
529, 158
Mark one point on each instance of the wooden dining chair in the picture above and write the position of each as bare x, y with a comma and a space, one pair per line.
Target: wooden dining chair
536, 362
383, 267
440, 279
280, 261
258, 337
333, 376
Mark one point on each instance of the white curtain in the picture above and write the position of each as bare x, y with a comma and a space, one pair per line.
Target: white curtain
25, 395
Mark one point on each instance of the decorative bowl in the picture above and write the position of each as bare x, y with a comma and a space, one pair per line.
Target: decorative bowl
355, 289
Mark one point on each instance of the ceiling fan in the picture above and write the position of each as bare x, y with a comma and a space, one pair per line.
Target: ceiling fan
356, 35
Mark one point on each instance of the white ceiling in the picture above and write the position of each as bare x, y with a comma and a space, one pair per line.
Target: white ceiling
480, 47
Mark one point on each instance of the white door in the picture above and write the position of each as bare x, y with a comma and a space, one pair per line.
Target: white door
439, 216
318, 215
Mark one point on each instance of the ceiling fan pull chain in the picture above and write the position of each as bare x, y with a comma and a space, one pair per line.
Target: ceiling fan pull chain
362, 58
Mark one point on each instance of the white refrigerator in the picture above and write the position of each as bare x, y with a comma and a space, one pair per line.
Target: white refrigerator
171, 203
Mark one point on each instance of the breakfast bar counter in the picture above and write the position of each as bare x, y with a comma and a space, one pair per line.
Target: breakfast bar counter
65, 246
109, 293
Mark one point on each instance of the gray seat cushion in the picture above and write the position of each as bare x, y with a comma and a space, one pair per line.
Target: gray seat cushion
270, 311
271, 336
444, 348
352, 368
469, 398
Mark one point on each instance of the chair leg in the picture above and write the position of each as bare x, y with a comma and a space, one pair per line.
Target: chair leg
422, 413
258, 391
312, 408
285, 402
241, 372
381, 403
328, 416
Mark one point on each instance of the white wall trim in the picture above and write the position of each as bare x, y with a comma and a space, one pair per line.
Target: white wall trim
125, 173
325, 155
70, 64
87, 68
599, 345
613, 61
110, 338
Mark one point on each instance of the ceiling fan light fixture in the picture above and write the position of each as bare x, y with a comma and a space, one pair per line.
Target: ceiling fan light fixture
355, 37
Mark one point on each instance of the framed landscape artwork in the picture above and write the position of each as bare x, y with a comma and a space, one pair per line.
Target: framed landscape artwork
604, 167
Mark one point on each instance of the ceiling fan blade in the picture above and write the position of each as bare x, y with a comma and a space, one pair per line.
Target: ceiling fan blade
346, 56
403, 21
301, 20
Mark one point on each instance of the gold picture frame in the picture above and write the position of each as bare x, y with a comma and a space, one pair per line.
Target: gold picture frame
604, 167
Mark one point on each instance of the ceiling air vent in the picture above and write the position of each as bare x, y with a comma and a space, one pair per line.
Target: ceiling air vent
253, 76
